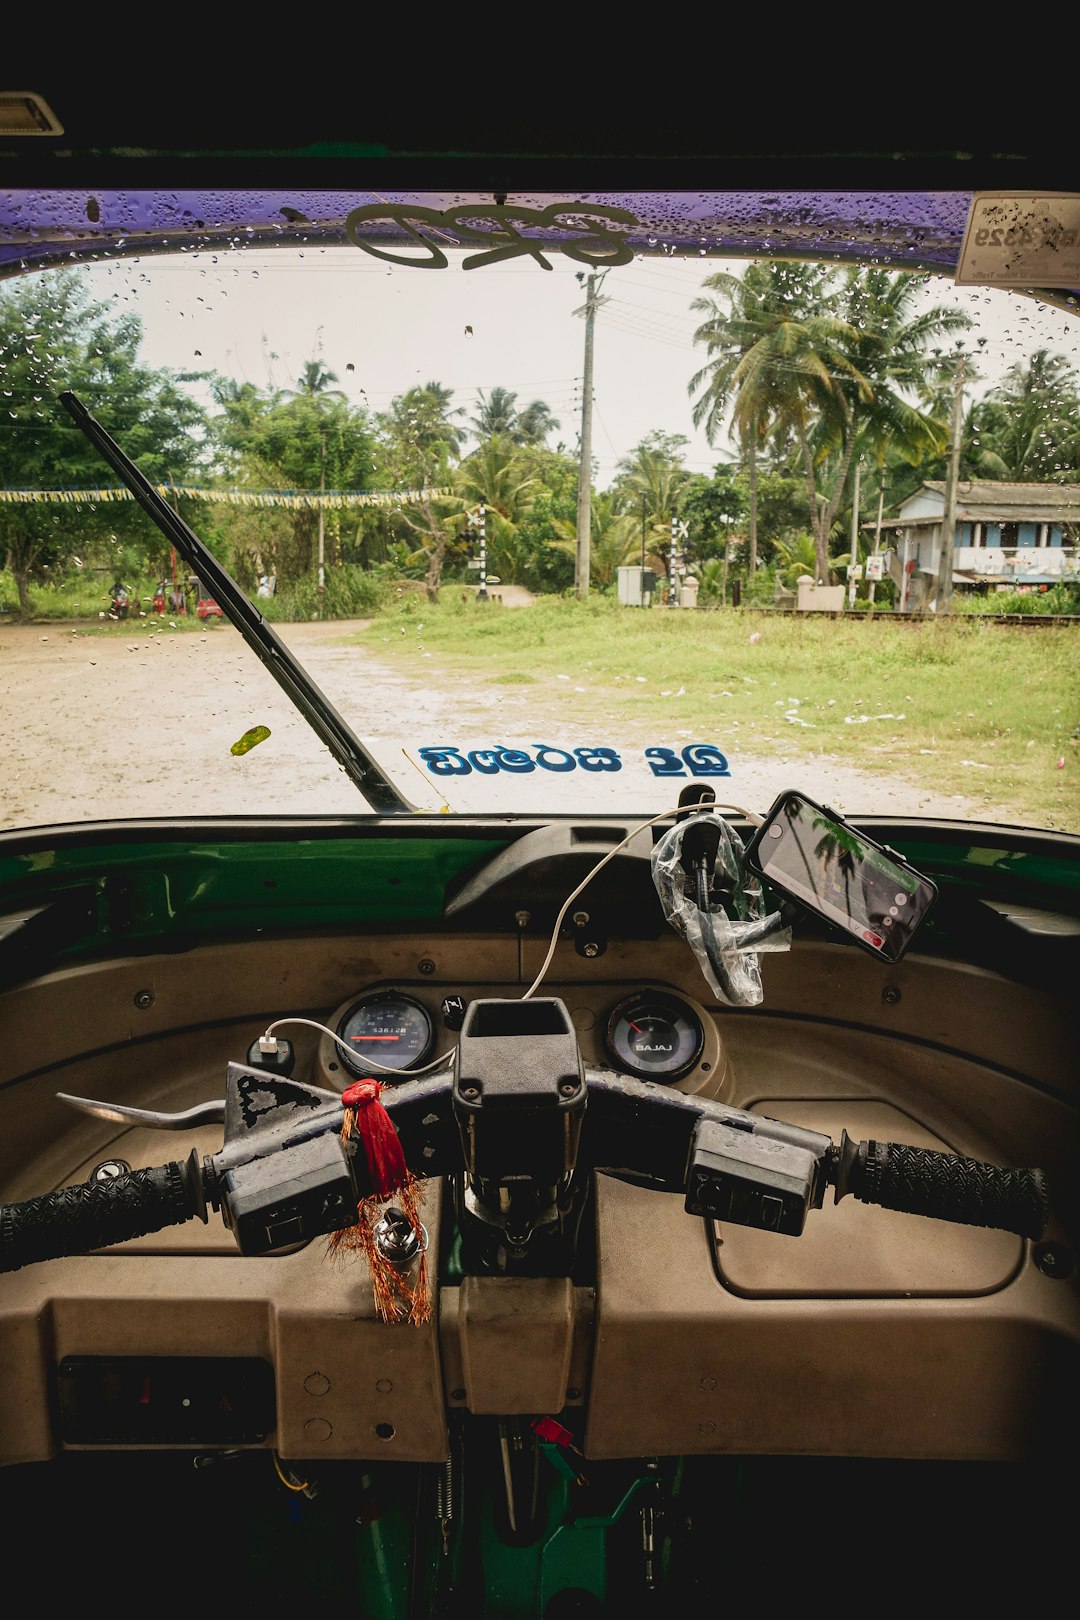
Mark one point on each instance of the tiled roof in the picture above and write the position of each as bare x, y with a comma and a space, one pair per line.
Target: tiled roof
983, 500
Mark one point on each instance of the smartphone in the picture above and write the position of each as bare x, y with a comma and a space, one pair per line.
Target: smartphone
810, 854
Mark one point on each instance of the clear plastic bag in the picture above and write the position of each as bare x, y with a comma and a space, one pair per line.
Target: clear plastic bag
717, 905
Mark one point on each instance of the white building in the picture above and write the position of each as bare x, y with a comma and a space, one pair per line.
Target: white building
1006, 537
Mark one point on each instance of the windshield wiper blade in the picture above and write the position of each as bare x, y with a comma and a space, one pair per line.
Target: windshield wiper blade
355, 760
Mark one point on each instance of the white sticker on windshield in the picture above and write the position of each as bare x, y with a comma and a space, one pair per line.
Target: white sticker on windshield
1021, 239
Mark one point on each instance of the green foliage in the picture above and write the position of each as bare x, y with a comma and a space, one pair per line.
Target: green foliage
1027, 429
53, 338
351, 593
613, 540
1056, 599
829, 363
500, 416
307, 439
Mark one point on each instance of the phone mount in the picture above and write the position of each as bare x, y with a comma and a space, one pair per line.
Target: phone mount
712, 899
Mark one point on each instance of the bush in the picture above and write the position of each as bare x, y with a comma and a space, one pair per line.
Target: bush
1063, 598
351, 593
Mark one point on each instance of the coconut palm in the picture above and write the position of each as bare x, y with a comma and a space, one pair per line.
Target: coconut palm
652, 480
832, 362
897, 349
614, 537
314, 382
774, 355
1025, 430
534, 423
499, 416
498, 476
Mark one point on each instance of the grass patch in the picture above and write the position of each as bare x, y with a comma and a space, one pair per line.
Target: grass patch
964, 704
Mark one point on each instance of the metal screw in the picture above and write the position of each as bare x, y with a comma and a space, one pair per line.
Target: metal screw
890, 995
426, 965
108, 1170
580, 918
470, 1093
523, 918
591, 948
143, 998
568, 1089
1054, 1260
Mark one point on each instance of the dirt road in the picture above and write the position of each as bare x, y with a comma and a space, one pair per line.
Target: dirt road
142, 722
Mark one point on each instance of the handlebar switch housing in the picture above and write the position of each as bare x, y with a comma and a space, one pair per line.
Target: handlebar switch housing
751, 1179
285, 1199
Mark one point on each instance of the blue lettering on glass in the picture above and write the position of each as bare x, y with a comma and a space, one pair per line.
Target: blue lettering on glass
598, 759
485, 760
565, 761
697, 759
703, 759
445, 762
664, 762
514, 759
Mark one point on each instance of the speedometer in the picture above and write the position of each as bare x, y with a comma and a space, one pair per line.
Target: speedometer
655, 1037
385, 1030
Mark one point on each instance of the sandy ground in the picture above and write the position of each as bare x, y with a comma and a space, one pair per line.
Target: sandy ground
142, 723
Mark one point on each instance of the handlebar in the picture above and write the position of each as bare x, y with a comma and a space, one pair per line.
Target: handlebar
524, 1124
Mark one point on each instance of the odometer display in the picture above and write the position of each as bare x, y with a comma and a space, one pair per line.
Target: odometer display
385, 1031
655, 1037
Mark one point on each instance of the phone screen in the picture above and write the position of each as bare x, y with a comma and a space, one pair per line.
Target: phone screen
807, 852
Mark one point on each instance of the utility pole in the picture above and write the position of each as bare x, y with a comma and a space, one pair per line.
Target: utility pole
948, 522
877, 535
584, 518
322, 522
854, 563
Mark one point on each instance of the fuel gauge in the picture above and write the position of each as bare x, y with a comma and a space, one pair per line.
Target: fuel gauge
655, 1037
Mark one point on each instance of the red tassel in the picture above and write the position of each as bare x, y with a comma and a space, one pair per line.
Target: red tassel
400, 1296
365, 1116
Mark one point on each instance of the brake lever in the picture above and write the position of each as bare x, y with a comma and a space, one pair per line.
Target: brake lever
210, 1113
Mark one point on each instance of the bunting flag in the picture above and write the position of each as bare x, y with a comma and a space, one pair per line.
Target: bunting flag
291, 498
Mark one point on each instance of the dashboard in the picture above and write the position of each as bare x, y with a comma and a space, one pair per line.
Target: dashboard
654, 1032
683, 1337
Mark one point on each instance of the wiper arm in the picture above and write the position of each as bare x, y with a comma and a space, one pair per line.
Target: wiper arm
350, 753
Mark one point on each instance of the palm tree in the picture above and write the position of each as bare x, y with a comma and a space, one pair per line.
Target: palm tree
534, 423
613, 537
772, 356
897, 350
828, 362
314, 382
797, 555
652, 480
421, 434
1025, 430
497, 475
499, 415
496, 415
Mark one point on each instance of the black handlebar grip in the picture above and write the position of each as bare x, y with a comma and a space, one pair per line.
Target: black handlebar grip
948, 1186
94, 1215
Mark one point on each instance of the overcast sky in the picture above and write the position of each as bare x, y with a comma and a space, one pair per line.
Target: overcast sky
384, 329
